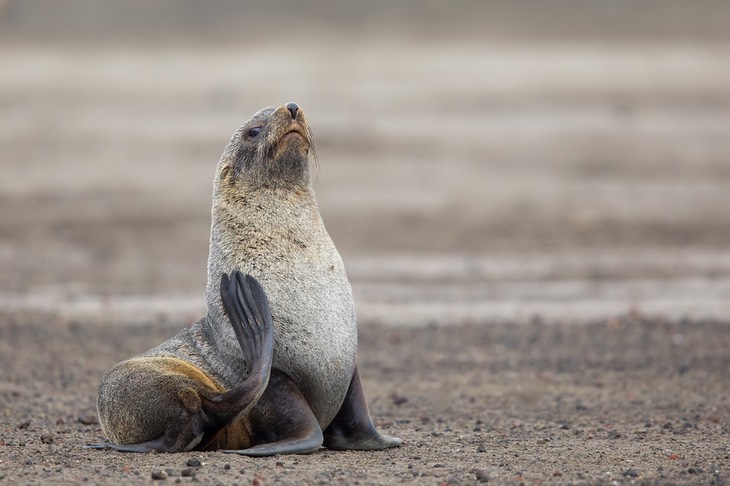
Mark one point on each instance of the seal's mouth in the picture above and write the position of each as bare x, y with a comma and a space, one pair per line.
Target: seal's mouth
294, 136
295, 130
293, 140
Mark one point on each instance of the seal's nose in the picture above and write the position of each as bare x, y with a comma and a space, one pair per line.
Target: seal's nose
293, 110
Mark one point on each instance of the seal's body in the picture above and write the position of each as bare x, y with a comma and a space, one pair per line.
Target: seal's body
219, 384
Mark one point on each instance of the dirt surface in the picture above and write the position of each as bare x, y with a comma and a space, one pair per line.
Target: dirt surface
629, 400
531, 202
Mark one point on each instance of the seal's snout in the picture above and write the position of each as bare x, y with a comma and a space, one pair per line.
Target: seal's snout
293, 110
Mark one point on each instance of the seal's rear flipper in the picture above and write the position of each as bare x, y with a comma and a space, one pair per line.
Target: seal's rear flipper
352, 428
162, 444
168, 442
282, 423
248, 311
195, 412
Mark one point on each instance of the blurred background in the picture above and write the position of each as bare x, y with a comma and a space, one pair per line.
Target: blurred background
478, 160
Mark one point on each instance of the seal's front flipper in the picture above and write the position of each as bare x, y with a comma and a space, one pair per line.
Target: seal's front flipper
352, 428
282, 421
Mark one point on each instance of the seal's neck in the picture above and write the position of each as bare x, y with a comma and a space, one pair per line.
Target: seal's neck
264, 211
288, 172
253, 231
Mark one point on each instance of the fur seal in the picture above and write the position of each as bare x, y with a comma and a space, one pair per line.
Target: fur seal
271, 369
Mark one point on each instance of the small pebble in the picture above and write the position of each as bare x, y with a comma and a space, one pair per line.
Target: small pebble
159, 475
194, 462
47, 438
226, 467
188, 472
481, 448
24, 425
398, 399
631, 473
88, 419
481, 475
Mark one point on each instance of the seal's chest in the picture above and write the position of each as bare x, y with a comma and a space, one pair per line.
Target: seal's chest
315, 340
314, 311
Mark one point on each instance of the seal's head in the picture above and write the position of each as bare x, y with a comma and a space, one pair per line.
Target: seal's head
270, 150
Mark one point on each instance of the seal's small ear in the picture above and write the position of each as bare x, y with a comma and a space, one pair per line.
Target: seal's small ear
225, 171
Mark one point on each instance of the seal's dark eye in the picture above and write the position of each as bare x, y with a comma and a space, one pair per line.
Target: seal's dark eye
254, 131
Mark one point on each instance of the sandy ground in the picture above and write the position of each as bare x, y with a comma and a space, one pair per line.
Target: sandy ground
629, 400
532, 206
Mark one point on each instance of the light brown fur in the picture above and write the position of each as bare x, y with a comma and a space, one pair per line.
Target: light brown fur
266, 224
